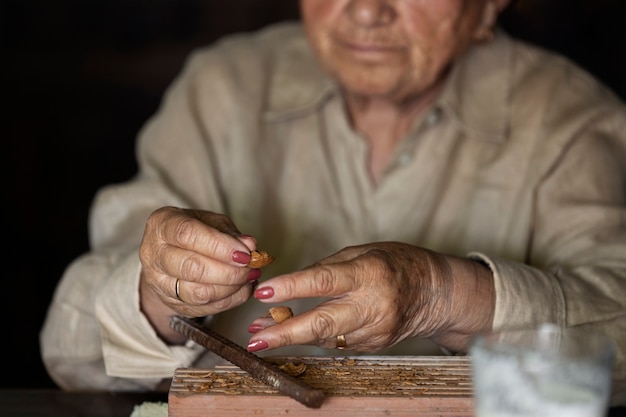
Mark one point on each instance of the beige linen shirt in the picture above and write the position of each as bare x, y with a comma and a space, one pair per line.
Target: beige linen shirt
521, 162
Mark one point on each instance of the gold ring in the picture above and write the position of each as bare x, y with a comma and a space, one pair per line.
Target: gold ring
178, 290
341, 342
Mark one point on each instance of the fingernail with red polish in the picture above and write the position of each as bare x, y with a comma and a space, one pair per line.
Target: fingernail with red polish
253, 328
264, 293
254, 274
258, 345
241, 257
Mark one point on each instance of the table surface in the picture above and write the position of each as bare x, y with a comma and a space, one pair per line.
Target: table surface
56, 403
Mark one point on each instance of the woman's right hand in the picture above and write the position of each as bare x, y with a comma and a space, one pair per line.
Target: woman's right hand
193, 263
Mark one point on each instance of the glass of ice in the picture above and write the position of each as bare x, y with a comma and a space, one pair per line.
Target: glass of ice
544, 371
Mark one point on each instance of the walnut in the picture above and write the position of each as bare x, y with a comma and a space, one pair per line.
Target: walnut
280, 313
260, 259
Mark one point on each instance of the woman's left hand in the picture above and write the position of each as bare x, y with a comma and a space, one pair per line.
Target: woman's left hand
380, 294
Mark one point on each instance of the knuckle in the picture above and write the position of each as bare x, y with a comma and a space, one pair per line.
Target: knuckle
203, 294
158, 216
152, 257
185, 231
192, 267
144, 253
195, 294
324, 281
228, 302
323, 326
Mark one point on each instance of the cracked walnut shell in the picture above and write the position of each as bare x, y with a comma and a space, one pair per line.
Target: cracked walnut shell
280, 313
260, 259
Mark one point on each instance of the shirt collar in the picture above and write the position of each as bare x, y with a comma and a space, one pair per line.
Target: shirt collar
479, 80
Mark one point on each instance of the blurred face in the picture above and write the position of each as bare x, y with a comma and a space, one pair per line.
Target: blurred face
391, 48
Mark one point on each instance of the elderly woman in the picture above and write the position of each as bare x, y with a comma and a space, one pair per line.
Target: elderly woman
419, 175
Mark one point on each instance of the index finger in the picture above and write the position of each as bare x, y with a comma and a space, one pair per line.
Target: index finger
319, 281
189, 232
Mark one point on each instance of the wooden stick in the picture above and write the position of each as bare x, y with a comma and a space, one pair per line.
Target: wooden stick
256, 366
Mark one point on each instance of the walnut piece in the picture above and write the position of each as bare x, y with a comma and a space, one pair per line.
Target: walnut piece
293, 369
281, 313
260, 259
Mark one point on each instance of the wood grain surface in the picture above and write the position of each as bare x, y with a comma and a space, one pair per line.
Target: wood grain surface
354, 386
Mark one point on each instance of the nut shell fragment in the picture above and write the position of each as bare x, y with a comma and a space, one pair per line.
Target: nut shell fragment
293, 369
281, 313
260, 259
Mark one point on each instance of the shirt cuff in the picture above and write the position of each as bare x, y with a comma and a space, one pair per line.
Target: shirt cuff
524, 295
130, 346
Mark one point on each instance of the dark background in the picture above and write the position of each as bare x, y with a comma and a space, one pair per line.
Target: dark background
80, 77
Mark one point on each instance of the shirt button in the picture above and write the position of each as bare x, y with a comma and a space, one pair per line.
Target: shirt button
404, 158
433, 117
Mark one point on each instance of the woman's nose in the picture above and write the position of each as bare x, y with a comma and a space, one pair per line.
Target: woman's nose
371, 12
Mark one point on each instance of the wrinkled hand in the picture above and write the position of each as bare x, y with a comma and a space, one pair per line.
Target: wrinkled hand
205, 252
380, 294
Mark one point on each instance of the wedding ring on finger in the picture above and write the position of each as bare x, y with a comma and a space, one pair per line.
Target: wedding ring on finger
341, 342
177, 288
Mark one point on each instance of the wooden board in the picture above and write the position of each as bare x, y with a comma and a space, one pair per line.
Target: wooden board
354, 386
